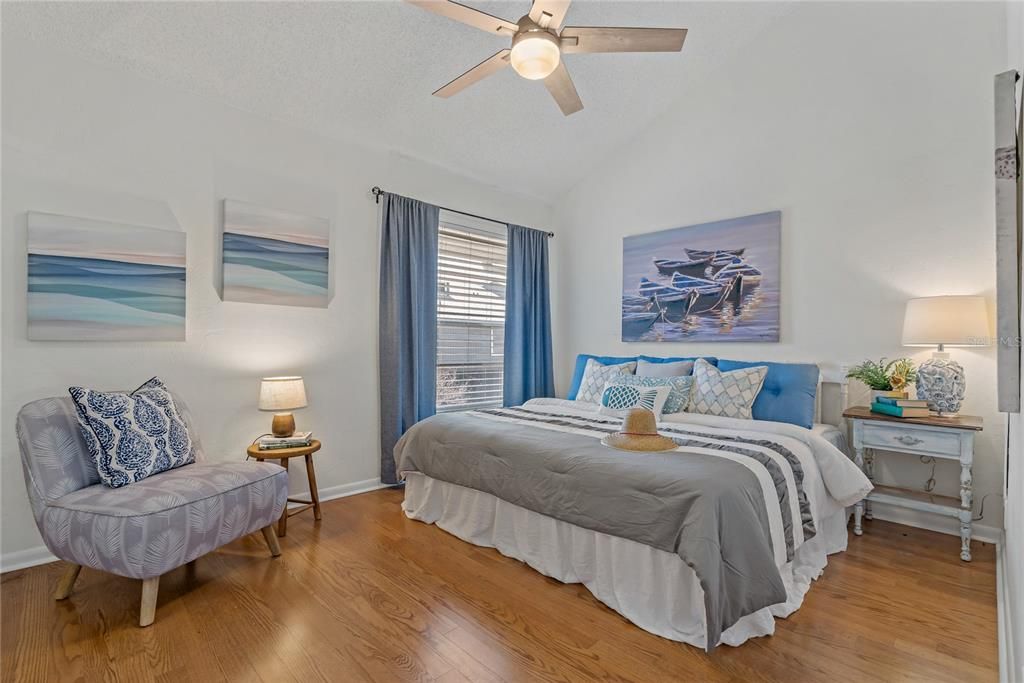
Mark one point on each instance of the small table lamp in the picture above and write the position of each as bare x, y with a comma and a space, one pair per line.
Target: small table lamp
944, 321
282, 395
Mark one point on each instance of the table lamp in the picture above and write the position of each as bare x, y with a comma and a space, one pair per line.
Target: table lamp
282, 395
944, 321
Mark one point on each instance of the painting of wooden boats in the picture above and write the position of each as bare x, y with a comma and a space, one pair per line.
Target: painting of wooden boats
662, 293
714, 281
739, 267
695, 267
638, 323
710, 294
702, 254
634, 300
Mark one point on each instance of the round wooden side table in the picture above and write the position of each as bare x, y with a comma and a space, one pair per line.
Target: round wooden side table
283, 455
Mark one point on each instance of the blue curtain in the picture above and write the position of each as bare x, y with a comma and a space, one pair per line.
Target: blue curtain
408, 321
528, 370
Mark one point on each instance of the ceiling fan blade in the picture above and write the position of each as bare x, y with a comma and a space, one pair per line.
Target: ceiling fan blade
549, 13
562, 89
467, 15
493, 64
615, 39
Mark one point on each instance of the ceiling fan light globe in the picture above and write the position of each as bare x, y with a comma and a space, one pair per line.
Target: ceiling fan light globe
535, 55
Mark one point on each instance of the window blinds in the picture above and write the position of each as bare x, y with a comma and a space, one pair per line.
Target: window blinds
470, 313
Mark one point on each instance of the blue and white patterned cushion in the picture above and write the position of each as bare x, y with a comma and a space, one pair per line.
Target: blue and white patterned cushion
617, 399
596, 376
679, 389
729, 394
131, 436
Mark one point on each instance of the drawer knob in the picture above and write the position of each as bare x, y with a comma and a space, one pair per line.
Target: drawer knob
908, 440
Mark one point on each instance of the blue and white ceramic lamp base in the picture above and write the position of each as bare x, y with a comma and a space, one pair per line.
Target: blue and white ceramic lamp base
941, 382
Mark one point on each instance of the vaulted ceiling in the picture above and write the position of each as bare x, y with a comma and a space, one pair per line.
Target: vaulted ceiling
364, 71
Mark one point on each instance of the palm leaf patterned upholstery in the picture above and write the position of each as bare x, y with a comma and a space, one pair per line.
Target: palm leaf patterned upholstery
148, 528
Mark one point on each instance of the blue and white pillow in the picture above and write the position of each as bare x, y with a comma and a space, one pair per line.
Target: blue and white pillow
596, 376
617, 398
132, 436
679, 389
729, 394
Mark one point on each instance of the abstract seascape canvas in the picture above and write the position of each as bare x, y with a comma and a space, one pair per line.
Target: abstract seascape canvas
91, 280
710, 282
275, 257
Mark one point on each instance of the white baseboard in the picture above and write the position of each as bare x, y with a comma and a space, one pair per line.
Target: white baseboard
351, 489
932, 522
20, 559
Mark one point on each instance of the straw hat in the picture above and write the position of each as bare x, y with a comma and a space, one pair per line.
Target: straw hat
639, 433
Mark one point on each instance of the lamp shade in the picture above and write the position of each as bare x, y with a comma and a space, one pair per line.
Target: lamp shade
282, 393
947, 320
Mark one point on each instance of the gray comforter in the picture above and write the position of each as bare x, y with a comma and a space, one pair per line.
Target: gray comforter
703, 502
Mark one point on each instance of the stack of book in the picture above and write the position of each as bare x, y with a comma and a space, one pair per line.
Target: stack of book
296, 440
898, 405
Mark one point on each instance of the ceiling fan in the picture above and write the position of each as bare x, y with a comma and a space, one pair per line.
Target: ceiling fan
537, 45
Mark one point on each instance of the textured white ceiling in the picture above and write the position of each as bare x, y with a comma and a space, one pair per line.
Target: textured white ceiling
365, 70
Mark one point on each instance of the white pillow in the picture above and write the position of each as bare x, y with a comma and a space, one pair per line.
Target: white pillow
729, 394
676, 368
619, 399
596, 376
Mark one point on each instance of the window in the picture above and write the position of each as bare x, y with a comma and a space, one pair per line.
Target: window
470, 312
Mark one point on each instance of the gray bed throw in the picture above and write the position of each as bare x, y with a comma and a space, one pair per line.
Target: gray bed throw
705, 502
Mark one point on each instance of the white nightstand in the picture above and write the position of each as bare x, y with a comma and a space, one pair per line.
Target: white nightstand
943, 438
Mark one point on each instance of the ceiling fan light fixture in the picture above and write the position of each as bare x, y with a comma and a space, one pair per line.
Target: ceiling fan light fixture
535, 54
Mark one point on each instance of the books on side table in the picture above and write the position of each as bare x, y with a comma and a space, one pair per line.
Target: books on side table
898, 405
296, 440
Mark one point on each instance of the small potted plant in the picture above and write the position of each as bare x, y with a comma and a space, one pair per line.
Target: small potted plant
884, 377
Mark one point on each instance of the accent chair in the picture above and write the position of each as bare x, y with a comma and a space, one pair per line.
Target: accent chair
145, 529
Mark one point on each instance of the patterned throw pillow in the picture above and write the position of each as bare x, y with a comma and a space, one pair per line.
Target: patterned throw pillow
617, 399
679, 389
596, 376
131, 436
730, 394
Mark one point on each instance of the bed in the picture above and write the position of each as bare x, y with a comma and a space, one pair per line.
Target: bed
707, 544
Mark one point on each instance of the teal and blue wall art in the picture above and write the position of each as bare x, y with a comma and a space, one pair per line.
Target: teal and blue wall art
91, 280
275, 257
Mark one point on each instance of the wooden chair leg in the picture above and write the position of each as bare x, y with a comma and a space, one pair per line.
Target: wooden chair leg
271, 539
67, 581
147, 613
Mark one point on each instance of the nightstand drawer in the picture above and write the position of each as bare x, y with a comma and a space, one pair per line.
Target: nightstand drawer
906, 438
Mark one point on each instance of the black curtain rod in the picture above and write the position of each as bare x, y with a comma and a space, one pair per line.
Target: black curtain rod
377, 192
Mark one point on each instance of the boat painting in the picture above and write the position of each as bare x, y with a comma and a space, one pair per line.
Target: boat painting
700, 253
275, 257
715, 281
696, 267
739, 267
91, 280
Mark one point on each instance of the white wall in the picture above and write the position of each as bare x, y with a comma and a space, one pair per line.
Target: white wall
870, 126
84, 141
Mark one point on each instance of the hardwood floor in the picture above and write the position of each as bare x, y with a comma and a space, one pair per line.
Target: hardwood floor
367, 594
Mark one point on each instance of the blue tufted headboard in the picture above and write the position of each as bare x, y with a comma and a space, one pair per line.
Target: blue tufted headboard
791, 393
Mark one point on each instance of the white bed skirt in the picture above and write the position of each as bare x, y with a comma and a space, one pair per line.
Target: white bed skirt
652, 588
